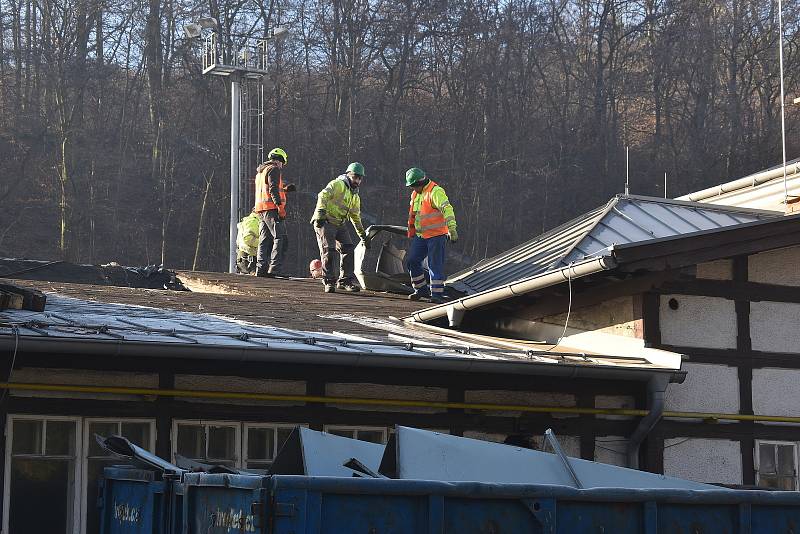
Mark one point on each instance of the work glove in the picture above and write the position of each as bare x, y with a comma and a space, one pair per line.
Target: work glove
319, 218
452, 234
289, 188
412, 231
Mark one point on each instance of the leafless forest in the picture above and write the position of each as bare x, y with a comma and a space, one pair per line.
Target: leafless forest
114, 146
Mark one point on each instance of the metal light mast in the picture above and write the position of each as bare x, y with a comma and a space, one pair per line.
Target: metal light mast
245, 70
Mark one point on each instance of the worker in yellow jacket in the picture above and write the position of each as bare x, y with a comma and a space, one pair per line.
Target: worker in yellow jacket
338, 203
431, 223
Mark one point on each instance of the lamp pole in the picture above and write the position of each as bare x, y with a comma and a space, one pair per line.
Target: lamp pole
783, 114
236, 102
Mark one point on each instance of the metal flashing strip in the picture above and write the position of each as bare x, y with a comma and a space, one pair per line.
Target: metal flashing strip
541, 281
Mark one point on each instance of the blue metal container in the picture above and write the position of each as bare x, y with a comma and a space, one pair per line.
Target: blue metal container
283, 504
133, 501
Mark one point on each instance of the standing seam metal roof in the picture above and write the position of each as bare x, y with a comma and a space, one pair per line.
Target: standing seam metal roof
624, 219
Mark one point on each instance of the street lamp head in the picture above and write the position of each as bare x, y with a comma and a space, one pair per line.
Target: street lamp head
208, 23
280, 32
192, 30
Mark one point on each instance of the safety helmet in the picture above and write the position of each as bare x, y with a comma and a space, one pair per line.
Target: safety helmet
356, 167
279, 152
414, 175
315, 268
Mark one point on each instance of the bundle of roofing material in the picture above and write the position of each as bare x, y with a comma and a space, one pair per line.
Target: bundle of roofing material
420, 454
312, 453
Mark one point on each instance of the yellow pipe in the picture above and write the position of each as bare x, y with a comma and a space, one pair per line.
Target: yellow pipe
199, 394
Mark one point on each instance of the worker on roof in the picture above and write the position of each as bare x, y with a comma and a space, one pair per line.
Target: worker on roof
431, 223
270, 206
337, 203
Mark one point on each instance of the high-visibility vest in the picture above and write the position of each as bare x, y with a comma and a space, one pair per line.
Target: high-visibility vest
428, 221
263, 200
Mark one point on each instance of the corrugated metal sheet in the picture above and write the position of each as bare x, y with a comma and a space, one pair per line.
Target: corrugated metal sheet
422, 454
625, 219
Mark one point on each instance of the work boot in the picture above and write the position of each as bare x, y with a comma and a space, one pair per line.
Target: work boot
419, 294
437, 299
348, 285
262, 273
329, 287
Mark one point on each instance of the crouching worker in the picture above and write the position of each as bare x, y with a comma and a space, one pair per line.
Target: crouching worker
431, 223
336, 204
247, 236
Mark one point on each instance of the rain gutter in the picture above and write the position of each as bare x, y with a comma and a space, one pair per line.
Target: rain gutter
455, 310
748, 181
415, 360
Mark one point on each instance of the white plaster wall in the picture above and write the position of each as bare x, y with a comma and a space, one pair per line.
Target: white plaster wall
707, 388
715, 270
703, 460
775, 326
707, 322
381, 391
83, 378
611, 450
241, 385
775, 267
614, 401
523, 398
776, 392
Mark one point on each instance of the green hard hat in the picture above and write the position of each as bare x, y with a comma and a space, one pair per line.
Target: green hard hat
280, 153
414, 175
356, 167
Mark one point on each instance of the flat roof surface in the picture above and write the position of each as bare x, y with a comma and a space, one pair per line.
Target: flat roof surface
291, 319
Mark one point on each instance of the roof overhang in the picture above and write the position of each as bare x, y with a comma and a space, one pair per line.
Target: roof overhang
654, 255
234, 355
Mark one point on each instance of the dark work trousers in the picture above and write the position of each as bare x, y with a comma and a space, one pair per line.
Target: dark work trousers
332, 238
272, 243
432, 248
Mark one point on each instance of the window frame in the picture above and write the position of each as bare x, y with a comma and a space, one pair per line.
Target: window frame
77, 500
87, 421
236, 425
245, 442
757, 459
385, 431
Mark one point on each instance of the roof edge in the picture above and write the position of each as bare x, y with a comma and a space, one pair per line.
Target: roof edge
490, 296
120, 348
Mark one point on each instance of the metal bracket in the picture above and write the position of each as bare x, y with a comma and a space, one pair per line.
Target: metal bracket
550, 437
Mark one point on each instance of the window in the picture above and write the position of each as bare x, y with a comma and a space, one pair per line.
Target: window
141, 433
216, 443
776, 465
41, 467
364, 433
262, 443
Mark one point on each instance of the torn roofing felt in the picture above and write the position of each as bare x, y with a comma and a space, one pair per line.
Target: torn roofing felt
623, 220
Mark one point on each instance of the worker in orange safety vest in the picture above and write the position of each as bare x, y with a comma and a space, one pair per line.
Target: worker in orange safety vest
431, 224
270, 206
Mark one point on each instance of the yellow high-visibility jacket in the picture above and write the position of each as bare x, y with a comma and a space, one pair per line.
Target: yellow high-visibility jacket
340, 203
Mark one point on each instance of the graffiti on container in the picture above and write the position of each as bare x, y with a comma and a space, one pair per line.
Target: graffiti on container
124, 513
235, 519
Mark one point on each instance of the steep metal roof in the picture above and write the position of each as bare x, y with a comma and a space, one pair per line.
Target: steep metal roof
624, 219
763, 190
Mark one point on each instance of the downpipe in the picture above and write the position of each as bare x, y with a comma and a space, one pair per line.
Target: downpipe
656, 389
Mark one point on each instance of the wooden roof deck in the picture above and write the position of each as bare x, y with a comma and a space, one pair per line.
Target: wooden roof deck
297, 304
